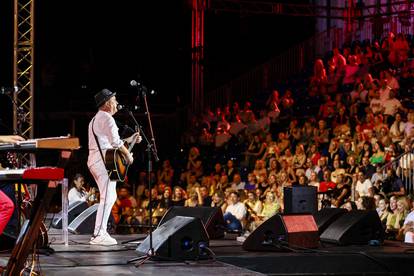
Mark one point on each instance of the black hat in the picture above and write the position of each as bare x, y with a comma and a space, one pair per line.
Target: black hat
102, 96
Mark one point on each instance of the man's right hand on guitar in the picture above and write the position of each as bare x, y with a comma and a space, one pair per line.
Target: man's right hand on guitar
129, 158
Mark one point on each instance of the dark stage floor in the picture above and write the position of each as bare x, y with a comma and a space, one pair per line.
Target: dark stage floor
80, 258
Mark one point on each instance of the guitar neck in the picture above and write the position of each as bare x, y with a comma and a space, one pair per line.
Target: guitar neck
131, 145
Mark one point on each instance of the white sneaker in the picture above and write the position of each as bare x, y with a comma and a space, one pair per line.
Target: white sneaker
106, 234
103, 240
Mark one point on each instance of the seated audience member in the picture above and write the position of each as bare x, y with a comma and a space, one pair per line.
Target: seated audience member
165, 201
338, 170
126, 205
367, 169
391, 106
377, 176
253, 204
350, 206
341, 192
251, 182
203, 197
273, 106
326, 184
237, 183
193, 198
313, 180
155, 202
271, 206
362, 186
230, 170
166, 173
408, 228
302, 180
235, 213
366, 203
255, 151
383, 211
78, 192
218, 200
396, 220
378, 157
178, 198
392, 184
397, 129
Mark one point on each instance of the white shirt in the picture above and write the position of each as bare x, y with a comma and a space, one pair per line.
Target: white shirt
391, 106
375, 105
238, 210
397, 130
362, 188
106, 131
74, 196
409, 236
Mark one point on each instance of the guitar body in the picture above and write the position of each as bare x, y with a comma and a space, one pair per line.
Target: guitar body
116, 165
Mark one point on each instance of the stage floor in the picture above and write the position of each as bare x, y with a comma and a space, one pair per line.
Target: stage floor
80, 258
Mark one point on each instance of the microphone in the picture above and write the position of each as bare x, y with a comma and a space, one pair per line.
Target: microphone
134, 83
125, 107
141, 87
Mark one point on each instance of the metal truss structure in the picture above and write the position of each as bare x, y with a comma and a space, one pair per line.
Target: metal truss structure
23, 67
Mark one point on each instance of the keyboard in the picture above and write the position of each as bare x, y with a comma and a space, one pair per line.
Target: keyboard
59, 143
28, 174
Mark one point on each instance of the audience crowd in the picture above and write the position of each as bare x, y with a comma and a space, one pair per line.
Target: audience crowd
356, 150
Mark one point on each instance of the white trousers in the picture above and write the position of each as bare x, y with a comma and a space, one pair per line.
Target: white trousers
107, 191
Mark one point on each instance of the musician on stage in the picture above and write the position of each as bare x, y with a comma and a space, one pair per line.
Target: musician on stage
103, 129
7, 196
78, 191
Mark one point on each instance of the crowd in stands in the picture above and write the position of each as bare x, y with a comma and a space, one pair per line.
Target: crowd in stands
240, 157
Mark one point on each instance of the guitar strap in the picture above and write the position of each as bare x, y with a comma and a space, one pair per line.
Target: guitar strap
97, 142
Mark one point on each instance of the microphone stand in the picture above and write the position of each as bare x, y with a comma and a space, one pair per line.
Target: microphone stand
151, 152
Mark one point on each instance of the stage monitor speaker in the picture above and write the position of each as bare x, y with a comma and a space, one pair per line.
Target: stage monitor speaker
326, 216
284, 230
212, 218
180, 238
354, 227
300, 199
74, 210
85, 222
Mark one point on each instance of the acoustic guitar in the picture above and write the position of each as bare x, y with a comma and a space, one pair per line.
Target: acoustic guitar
116, 163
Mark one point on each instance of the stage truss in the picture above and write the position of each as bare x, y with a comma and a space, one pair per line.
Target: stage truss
23, 67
